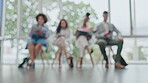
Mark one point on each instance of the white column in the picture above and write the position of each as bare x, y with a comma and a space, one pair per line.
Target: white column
136, 55
109, 10
131, 20
3, 28
134, 18
3, 18
19, 12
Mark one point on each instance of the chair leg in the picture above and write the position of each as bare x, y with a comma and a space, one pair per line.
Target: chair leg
41, 54
54, 60
42, 59
109, 55
45, 57
92, 60
99, 58
78, 61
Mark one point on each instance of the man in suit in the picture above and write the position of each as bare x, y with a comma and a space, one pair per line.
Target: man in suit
104, 35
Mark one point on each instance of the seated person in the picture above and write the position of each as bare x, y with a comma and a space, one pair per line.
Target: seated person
82, 39
104, 34
62, 40
39, 33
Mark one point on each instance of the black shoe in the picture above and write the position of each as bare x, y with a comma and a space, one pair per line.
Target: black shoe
92, 51
31, 66
71, 62
106, 65
20, 66
24, 61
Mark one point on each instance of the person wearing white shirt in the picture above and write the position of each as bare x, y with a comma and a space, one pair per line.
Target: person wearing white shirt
104, 35
82, 40
62, 41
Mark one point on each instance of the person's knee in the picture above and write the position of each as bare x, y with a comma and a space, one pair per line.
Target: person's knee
38, 46
63, 48
30, 45
101, 43
121, 42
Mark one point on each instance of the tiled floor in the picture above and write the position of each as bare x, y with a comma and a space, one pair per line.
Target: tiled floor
87, 74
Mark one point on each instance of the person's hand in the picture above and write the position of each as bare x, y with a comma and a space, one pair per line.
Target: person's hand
119, 38
40, 33
58, 36
106, 34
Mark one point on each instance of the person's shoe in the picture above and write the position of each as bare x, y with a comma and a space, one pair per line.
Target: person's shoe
31, 66
118, 65
71, 62
81, 62
24, 61
20, 66
106, 65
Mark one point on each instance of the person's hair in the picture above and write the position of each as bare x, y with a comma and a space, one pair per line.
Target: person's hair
87, 14
59, 26
43, 15
105, 12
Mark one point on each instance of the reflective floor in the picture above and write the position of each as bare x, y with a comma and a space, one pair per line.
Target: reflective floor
87, 74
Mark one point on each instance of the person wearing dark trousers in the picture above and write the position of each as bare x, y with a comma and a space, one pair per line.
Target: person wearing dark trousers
104, 35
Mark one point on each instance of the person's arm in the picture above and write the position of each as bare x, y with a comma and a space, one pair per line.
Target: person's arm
119, 36
46, 33
43, 32
76, 35
68, 34
32, 33
99, 34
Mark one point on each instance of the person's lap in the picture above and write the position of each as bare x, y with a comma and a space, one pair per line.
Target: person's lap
109, 42
36, 42
114, 42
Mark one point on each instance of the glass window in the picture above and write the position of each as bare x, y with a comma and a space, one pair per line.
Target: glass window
120, 15
134, 50
141, 17
0, 13
11, 18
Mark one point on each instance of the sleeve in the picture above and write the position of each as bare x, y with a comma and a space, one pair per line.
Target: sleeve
47, 33
68, 34
116, 30
98, 34
31, 31
57, 35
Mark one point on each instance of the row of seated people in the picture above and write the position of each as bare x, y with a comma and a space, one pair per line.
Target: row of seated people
104, 32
